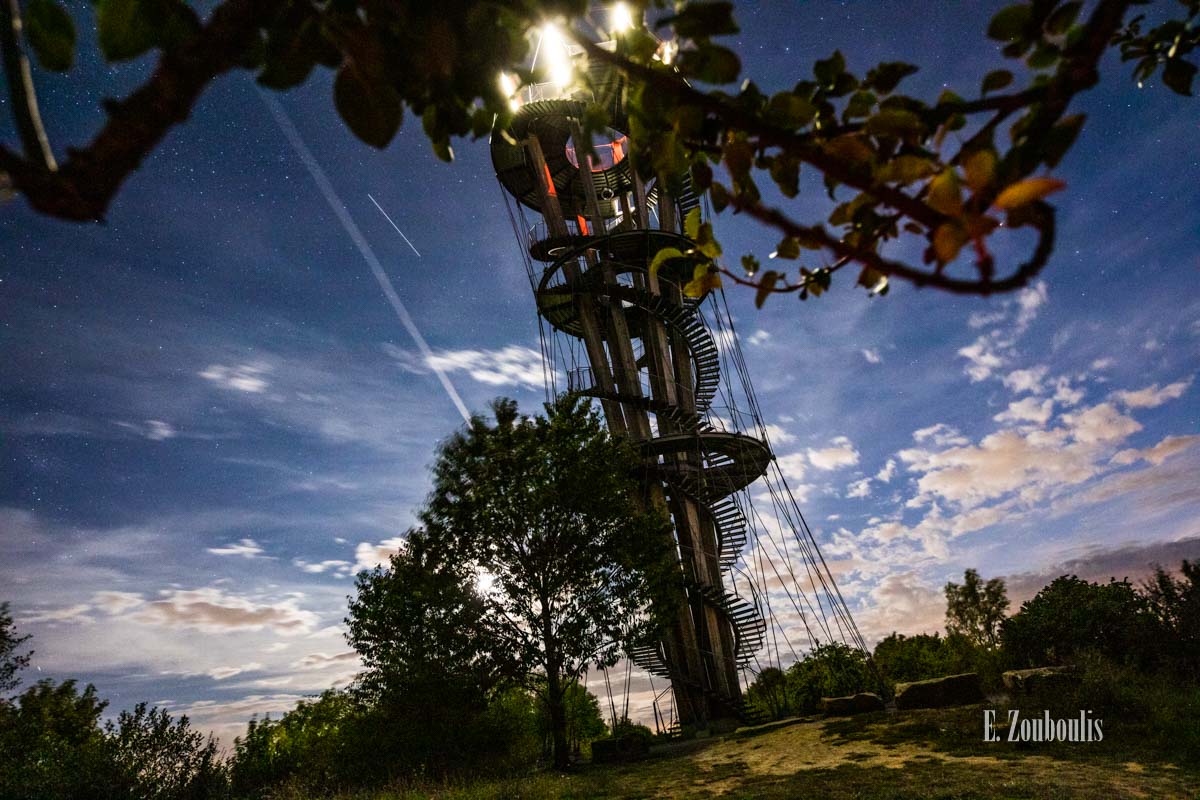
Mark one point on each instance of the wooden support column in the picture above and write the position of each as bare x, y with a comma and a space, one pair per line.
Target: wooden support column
619, 343
593, 338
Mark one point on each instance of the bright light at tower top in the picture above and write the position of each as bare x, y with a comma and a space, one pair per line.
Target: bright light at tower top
558, 59
620, 18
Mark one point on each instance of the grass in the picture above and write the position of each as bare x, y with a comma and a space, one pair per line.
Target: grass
915, 754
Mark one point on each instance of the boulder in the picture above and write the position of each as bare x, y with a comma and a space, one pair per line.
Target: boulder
952, 690
859, 703
1039, 679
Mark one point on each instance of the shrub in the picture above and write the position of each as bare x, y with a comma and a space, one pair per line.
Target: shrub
1072, 616
830, 670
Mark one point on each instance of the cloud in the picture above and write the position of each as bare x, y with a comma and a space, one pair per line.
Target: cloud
759, 337
1102, 363
1064, 394
153, 429
872, 356
214, 610
1029, 409
222, 673
902, 603
240, 378
1100, 423
940, 434
1029, 300
889, 470
860, 488
1099, 563
1152, 396
116, 602
983, 356
322, 660
1020, 381
779, 435
76, 613
513, 365
793, 466
840, 453
246, 548
1160, 452
370, 556
341, 569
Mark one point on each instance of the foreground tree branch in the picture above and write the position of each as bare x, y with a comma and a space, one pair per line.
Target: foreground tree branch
86, 183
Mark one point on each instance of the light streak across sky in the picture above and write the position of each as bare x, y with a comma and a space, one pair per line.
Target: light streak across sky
364, 247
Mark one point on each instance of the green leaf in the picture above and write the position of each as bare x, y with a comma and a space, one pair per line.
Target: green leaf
699, 20
710, 63
372, 110
906, 169
1010, 23
691, 224
1178, 75
124, 29
785, 171
750, 264
788, 248
1063, 17
769, 279
51, 34
895, 122
706, 243
997, 79
945, 195
885, 77
663, 256
790, 110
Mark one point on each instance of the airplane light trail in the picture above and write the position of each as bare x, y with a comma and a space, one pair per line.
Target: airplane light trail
368, 254
393, 224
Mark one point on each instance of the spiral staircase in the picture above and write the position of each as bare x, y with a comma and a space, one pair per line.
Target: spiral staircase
605, 267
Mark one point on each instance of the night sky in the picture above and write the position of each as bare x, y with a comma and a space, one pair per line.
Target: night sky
210, 416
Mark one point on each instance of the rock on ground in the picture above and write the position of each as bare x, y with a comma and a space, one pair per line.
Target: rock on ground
952, 690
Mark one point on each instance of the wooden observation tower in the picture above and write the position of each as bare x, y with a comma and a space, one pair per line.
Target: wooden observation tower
638, 345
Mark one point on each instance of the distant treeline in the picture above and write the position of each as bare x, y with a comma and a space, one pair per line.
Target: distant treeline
1138, 649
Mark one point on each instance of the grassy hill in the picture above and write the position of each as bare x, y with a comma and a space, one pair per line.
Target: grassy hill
915, 754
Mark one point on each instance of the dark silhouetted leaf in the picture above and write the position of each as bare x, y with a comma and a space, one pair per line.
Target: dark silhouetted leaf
996, 79
1178, 75
124, 29
769, 279
51, 34
887, 76
371, 109
699, 20
1010, 23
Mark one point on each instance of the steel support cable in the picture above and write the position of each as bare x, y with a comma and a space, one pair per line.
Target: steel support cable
548, 382
795, 582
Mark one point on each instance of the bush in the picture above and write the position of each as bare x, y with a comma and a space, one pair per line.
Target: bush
830, 670
904, 659
1154, 709
1072, 616
53, 747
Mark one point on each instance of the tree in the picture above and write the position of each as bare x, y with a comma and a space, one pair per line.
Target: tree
164, 758
769, 692
900, 173
11, 661
829, 670
431, 663
976, 609
581, 710
1175, 603
547, 511
1071, 617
